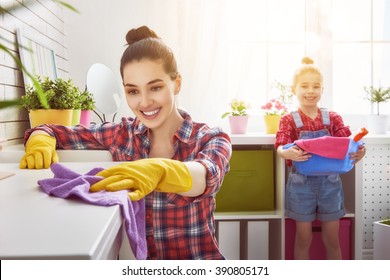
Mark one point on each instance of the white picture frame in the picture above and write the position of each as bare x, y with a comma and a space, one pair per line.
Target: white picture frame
37, 58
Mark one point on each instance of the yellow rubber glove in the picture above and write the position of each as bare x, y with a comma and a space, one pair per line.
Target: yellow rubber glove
40, 152
143, 176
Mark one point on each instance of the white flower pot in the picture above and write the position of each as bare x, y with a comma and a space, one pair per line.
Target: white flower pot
381, 241
377, 124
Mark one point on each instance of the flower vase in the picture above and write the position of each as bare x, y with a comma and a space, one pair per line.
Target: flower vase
50, 116
238, 124
76, 117
85, 118
377, 124
271, 123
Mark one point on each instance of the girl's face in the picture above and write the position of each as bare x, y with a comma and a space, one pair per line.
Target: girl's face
150, 92
308, 89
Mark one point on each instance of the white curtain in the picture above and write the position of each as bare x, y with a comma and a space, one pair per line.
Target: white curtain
203, 58
223, 53
214, 71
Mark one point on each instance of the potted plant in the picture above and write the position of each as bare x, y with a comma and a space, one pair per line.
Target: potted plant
238, 116
61, 96
377, 123
285, 94
87, 102
273, 110
381, 240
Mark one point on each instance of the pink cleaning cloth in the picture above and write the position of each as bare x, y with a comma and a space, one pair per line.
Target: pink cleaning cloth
326, 146
67, 183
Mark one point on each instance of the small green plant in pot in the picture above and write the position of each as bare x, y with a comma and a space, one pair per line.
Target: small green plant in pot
237, 108
377, 96
87, 102
62, 97
377, 123
238, 116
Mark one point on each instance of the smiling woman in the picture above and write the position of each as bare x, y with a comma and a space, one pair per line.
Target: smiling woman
168, 159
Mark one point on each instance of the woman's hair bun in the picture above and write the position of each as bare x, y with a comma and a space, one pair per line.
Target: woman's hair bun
307, 60
140, 33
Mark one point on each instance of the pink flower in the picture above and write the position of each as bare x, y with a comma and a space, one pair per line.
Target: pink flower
274, 107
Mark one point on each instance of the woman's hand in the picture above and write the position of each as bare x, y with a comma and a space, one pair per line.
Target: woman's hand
143, 176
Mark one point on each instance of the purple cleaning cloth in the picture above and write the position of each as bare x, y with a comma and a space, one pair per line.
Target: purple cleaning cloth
67, 183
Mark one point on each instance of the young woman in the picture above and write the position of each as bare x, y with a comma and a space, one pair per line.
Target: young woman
312, 197
175, 164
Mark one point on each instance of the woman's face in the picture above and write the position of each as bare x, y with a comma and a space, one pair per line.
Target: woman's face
308, 89
150, 92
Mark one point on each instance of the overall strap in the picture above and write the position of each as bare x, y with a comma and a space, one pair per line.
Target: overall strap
297, 119
325, 116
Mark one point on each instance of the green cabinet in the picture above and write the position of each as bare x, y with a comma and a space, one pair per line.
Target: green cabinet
249, 186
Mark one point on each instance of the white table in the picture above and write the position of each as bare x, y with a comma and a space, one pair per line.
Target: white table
34, 225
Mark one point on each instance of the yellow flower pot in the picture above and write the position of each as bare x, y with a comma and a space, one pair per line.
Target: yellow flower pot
76, 116
50, 116
271, 123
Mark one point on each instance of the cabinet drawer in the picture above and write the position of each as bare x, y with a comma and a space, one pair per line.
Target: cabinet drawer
249, 186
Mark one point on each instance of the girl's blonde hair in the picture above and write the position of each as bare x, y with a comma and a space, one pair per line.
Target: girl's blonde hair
306, 67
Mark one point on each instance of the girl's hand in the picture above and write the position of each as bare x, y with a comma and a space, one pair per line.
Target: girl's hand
358, 155
295, 153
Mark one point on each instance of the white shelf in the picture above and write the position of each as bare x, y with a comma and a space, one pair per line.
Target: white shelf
256, 215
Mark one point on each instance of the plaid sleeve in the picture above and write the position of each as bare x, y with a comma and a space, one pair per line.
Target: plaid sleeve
80, 137
286, 133
338, 129
215, 156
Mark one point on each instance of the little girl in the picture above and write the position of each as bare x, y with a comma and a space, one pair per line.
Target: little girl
312, 197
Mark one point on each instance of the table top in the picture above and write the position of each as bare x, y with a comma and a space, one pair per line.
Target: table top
37, 226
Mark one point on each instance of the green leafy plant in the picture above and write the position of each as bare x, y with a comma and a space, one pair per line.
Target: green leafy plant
58, 93
237, 108
377, 95
87, 102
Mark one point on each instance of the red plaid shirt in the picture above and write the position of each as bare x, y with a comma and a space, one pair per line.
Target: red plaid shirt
177, 227
288, 131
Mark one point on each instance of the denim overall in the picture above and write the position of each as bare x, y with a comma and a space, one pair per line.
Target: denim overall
314, 197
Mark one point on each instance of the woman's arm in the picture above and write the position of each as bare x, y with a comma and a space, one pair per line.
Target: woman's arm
198, 174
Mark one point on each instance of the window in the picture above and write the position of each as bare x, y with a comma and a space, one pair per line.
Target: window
361, 52
239, 49
266, 43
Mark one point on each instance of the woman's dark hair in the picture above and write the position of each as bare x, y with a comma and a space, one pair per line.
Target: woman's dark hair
143, 43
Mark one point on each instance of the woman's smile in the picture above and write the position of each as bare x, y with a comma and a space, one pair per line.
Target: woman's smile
150, 114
